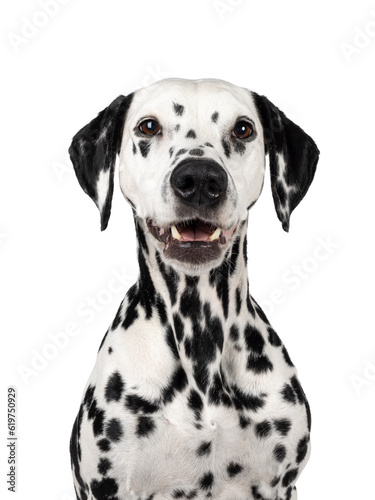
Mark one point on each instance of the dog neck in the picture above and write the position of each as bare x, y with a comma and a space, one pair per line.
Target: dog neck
199, 314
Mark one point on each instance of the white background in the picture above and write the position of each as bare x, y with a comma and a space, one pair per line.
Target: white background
315, 61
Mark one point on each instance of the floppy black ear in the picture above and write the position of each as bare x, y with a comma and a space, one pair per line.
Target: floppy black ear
93, 154
293, 156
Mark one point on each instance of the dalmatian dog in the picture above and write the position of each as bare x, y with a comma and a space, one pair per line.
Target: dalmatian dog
193, 394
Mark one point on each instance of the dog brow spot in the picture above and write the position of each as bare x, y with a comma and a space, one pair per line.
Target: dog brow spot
196, 152
191, 134
208, 144
178, 109
215, 116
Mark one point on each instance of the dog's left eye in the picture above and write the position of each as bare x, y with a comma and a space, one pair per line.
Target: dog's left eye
149, 127
243, 129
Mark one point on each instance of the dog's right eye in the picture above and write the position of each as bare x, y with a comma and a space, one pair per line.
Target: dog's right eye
150, 127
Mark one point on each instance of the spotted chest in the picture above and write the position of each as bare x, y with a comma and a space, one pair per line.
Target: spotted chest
194, 399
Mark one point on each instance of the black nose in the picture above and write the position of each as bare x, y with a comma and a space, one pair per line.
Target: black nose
199, 182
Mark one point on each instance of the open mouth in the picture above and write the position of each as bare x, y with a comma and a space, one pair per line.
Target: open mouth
194, 241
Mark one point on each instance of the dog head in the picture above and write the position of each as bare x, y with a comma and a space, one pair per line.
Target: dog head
191, 163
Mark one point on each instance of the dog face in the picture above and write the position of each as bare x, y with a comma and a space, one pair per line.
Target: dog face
192, 162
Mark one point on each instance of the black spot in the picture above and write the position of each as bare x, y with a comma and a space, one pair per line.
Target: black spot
195, 403
288, 493
234, 256
162, 311
103, 466
249, 305
146, 426
273, 338
89, 396
114, 430
144, 147
131, 313
191, 134
118, 317
275, 481
256, 494
244, 422
75, 451
178, 383
233, 469
97, 415
215, 116
178, 109
170, 276
178, 493
204, 449
187, 347
302, 449
263, 429
105, 489
234, 333
259, 364
177, 127
104, 444
226, 147
288, 394
298, 389
192, 494
171, 152
219, 277
282, 426
279, 452
206, 481
134, 149
308, 414
238, 301
208, 144
114, 387
253, 338
138, 404
110, 350
289, 477
181, 152
286, 357
196, 152
248, 401
216, 394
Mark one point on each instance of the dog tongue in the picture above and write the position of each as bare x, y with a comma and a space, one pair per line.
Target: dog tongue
196, 231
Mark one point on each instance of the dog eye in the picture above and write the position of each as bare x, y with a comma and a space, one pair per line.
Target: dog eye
243, 130
149, 127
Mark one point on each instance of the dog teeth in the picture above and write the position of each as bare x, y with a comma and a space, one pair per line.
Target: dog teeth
215, 235
176, 235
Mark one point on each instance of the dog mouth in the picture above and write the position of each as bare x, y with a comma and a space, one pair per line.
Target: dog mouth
194, 241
